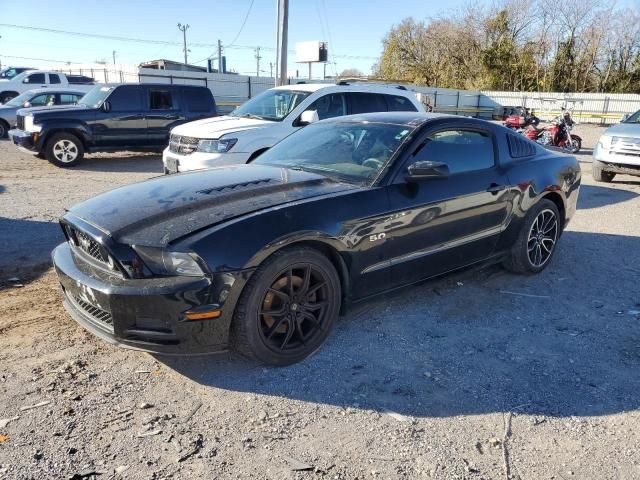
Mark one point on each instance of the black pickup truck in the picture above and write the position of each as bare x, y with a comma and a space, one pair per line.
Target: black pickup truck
111, 118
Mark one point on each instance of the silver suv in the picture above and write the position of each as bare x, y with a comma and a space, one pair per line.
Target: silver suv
618, 150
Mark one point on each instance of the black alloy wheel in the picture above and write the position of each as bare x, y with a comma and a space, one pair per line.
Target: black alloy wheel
536, 242
287, 308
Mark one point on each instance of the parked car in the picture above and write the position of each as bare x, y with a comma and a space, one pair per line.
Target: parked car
31, 79
262, 256
39, 97
618, 150
111, 118
269, 117
8, 73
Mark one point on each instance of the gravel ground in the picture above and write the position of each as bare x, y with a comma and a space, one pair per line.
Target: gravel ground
463, 377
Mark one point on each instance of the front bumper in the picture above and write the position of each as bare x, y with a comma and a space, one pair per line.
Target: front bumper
176, 162
145, 314
24, 140
615, 159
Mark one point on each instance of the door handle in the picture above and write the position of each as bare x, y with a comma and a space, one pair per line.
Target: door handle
495, 188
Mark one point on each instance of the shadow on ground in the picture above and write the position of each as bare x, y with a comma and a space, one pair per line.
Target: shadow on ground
135, 163
25, 247
594, 196
475, 343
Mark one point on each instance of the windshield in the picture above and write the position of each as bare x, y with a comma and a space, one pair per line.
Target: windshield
20, 99
635, 118
8, 73
351, 152
95, 97
274, 105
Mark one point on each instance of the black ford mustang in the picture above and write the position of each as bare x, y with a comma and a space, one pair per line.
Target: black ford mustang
263, 256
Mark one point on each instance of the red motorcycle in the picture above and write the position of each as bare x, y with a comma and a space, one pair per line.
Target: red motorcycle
523, 118
557, 134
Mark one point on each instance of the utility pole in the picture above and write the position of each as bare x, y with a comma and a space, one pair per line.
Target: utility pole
282, 28
114, 57
183, 29
219, 56
258, 57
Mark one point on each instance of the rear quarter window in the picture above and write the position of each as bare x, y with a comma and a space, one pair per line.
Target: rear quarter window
198, 100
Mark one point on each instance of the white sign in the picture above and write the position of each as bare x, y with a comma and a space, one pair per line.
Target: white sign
314, 51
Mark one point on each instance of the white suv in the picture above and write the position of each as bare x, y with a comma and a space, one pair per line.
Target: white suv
271, 116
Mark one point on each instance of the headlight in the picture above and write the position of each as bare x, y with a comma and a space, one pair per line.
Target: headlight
605, 141
166, 262
217, 146
29, 125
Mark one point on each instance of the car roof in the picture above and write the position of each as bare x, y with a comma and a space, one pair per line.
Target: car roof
346, 87
36, 91
145, 84
397, 118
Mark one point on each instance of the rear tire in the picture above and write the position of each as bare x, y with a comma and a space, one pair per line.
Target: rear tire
4, 129
536, 242
599, 174
64, 150
287, 308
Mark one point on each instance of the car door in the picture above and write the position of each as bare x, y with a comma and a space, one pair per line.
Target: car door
36, 80
121, 122
163, 111
329, 106
451, 221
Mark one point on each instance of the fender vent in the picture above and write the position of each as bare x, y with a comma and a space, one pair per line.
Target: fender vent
520, 147
235, 187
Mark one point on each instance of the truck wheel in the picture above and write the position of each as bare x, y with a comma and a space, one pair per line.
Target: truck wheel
64, 150
536, 242
6, 96
4, 128
599, 174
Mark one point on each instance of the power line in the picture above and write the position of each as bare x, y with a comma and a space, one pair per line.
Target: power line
39, 59
242, 26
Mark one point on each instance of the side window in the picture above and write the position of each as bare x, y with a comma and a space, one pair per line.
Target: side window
39, 100
53, 78
35, 78
197, 99
366, 102
397, 103
69, 98
125, 99
161, 100
329, 106
461, 150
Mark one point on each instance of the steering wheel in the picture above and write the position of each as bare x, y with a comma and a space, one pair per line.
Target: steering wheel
372, 163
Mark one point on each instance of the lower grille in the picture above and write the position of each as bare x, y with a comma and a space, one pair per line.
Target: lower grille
183, 145
102, 317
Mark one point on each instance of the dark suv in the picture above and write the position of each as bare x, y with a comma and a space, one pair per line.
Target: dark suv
111, 118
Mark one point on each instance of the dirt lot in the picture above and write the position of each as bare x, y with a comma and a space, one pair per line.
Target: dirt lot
451, 379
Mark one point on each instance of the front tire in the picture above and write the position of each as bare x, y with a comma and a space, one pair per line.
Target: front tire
536, 242
64, 150
4, 129
599, 174
287, 308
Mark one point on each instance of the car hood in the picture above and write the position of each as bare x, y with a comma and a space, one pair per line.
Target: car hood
54, 110
216, 127
159, 211
624, 130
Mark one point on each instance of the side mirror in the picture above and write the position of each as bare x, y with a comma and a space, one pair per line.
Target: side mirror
427, 169
307, 117
106, 107
625, 117
26, 104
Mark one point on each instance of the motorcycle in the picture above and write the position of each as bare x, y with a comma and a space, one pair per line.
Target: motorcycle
521, 120
557, 134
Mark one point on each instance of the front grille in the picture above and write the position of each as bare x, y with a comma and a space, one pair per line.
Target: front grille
183, 145
626, 146
103, 317
20, 122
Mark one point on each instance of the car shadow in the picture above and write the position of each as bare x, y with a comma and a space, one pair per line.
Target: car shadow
122, 162
560, 343
25, 248
595, 196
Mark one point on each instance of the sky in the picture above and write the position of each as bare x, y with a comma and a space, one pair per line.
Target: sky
353, 28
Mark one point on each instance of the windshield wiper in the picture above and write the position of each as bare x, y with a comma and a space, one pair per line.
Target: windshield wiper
250, 115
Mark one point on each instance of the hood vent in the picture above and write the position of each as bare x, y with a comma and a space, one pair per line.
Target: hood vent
235, 187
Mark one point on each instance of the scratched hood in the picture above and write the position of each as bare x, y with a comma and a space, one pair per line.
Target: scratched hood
158, 211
